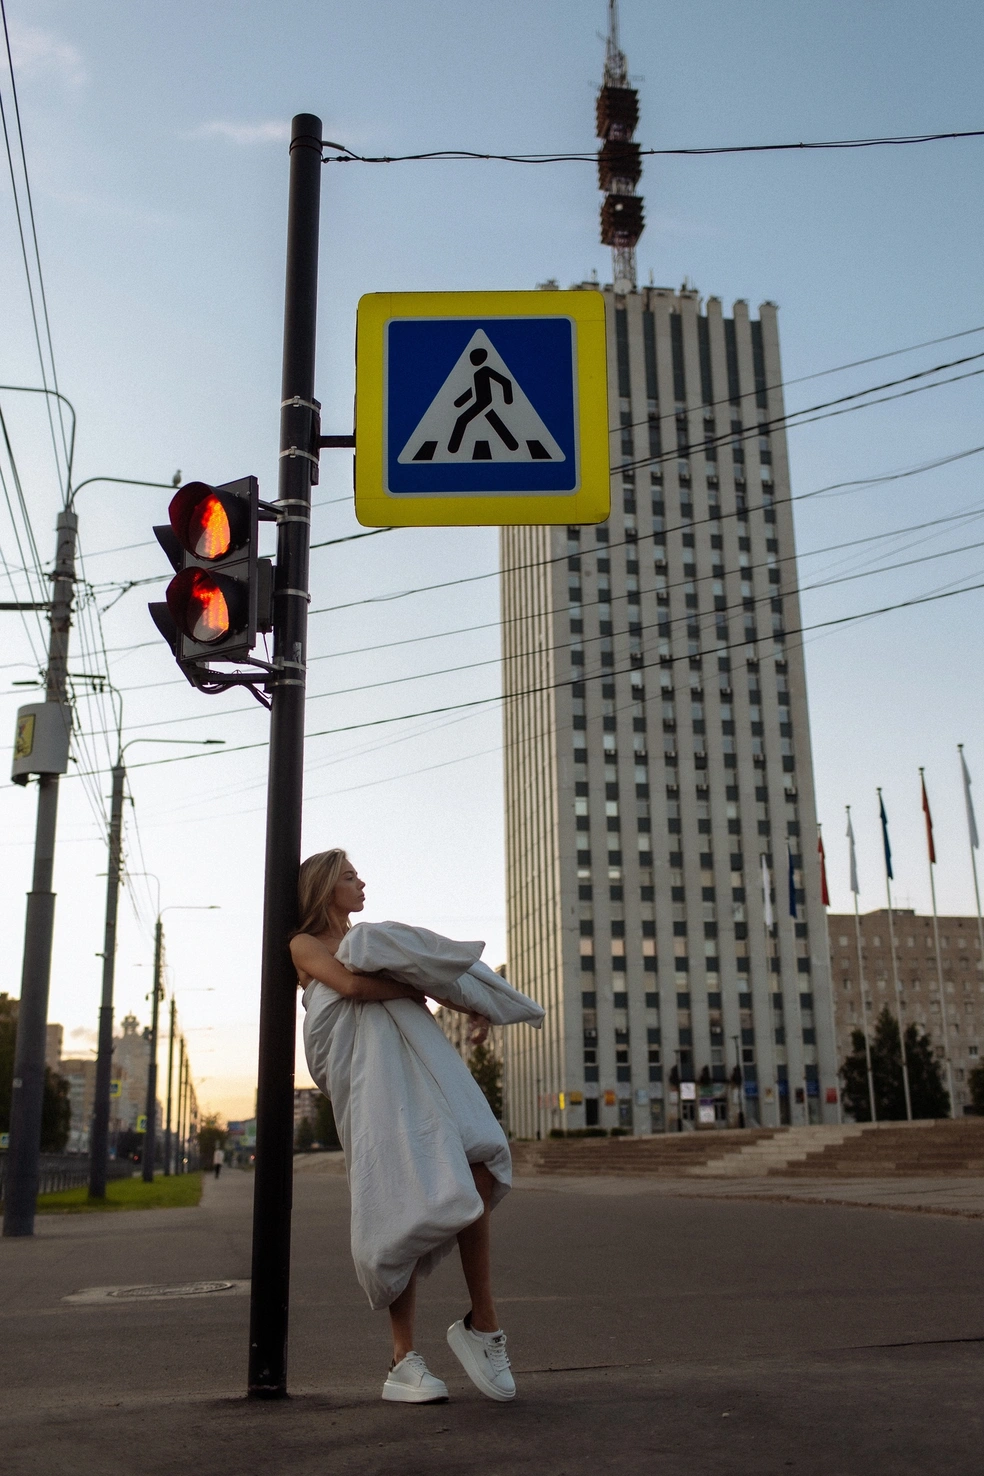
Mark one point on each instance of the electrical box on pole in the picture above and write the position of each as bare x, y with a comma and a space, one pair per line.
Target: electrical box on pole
41, 740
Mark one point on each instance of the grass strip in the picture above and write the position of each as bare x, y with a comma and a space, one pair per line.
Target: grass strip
179, 1191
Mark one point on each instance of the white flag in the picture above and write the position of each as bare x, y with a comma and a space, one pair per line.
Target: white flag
767, 893
854, 860
971, 822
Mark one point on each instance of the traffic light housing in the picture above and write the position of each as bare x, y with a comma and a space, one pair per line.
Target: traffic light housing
221, 595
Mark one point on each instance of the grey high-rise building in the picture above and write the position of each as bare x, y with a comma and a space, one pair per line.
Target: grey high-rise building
657, 756
659, 781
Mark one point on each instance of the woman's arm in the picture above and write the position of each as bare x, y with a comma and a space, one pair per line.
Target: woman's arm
311, 957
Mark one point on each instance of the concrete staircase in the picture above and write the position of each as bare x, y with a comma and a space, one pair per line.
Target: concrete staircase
779, 1153
853, 1150
928, 1149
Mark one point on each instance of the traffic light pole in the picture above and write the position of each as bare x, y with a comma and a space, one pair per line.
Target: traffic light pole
150, 1129
299, 429
99, 1137
21, 1188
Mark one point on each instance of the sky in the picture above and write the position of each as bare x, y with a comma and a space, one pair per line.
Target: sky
155, 139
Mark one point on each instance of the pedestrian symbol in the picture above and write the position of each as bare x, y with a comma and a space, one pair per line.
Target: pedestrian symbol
481, 413
481, 408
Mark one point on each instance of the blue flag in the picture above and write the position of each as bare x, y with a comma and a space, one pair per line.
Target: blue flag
792, 885
888, 850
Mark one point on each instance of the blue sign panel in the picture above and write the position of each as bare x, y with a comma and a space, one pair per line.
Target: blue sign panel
480, 406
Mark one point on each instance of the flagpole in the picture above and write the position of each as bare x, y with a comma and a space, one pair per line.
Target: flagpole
767, 918
864, 1003
825, 903
972, 833
791, 889
936, 942
895, 965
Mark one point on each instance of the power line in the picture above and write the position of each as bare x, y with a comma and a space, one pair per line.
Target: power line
348, 156
63, 480
553, 686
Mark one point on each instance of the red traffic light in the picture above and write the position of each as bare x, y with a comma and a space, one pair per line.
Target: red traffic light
207, 607
208, 522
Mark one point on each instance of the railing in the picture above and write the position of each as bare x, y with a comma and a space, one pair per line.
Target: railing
59, 1171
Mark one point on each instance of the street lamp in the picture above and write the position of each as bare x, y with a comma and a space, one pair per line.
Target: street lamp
99, 1133
150, 1133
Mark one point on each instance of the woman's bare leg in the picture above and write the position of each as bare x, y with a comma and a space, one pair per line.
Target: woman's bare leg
401, 1313
476, 1261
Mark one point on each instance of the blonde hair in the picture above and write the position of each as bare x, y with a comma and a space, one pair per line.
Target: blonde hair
318, 878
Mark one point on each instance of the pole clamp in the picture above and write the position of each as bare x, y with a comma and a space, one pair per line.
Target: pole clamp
293, 451
304, 594
297, 402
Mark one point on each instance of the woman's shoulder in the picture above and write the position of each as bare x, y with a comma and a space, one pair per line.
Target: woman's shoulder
302, 941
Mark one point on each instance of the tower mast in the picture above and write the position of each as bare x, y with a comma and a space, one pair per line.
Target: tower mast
619, 163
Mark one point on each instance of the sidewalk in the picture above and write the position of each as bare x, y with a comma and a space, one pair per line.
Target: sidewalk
651, 1331
963, 1197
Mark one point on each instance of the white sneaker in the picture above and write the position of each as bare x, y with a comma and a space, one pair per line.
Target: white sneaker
411, 1382
484, 1358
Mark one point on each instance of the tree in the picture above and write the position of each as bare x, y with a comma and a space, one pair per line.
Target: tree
929, 1096
56, 1108
326, 1132
56, 1112
211, 1135
976, 1082
304, 1137
486, 1068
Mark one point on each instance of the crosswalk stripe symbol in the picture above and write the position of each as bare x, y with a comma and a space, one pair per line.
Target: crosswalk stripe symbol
480, 413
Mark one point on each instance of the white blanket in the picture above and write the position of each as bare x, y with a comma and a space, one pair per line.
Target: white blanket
410, 1116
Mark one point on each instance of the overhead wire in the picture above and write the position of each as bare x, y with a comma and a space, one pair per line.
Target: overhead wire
47, 366
552, 686
346, 155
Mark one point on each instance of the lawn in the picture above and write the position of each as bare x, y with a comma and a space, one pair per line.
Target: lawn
177, 1192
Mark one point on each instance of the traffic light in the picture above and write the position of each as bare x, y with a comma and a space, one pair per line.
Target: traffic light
221, 595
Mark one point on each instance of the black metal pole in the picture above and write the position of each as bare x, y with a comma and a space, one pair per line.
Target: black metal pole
170, 1077
99, 1131
299, 430
27, 1095
150, 1129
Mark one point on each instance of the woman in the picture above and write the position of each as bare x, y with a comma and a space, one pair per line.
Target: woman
413, 1125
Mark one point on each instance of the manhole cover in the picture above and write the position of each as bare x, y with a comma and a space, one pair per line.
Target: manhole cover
188, 1289
158, 1293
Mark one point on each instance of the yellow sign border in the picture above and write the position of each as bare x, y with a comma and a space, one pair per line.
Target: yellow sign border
375, 507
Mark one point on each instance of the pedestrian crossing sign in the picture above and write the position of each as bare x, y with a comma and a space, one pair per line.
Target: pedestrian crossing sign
481, 408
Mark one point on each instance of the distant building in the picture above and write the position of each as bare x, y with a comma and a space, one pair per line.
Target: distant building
53, 1037
81, 1077
954, 1018
306, 1101
455, 1027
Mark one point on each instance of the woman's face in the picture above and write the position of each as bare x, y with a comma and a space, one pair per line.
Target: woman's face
350, 891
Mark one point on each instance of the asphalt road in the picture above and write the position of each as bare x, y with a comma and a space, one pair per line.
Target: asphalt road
649, 1333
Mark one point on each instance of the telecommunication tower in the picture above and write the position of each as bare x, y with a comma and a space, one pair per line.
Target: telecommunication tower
619, 164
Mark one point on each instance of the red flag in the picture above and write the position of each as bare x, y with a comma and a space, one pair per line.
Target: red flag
824, 893
929, 825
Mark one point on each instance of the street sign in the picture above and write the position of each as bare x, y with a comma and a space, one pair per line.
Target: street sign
481, 408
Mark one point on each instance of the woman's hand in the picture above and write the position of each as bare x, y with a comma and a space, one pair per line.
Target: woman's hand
478, 1028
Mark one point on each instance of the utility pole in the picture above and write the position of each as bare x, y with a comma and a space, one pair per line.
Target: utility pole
99, 1135
299, 444
170, 1074
179, 1163
21, 1188
150, 1132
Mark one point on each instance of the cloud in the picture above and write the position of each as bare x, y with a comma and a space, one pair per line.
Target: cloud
244, 134
43, 54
